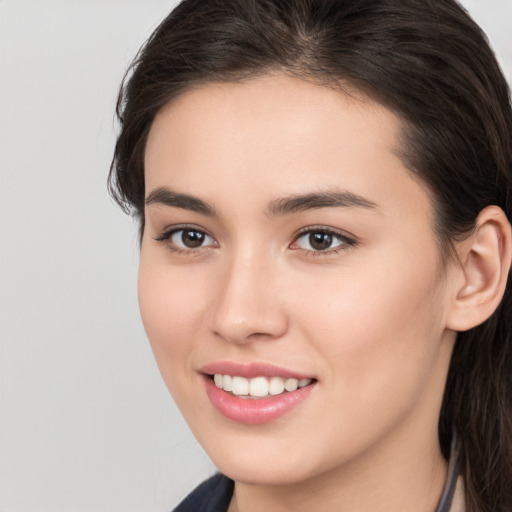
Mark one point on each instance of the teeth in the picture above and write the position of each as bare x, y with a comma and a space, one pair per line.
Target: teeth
291, 384
258, 386
302, 382
227, 384
240, 386
276, 386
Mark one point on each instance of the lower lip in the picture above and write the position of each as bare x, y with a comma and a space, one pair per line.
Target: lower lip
254, 411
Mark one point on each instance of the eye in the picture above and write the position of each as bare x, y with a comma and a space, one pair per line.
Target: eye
321, 240
186, 239
190, 238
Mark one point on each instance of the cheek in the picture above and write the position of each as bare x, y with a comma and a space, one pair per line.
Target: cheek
377, 341
380, 332
171, 305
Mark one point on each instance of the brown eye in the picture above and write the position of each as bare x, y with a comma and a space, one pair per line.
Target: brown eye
320, 241
192, 238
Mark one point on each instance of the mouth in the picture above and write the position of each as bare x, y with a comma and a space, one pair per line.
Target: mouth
255, 393
258, 387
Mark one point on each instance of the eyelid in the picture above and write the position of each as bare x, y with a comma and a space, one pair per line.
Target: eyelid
348, 240
170, 231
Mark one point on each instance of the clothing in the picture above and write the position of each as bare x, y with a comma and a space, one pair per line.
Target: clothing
214, 494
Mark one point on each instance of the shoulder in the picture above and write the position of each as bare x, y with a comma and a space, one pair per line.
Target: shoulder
213, 495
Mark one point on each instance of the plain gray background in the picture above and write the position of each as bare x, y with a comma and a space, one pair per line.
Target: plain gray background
85, 422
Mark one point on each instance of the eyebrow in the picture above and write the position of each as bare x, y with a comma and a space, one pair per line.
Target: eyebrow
277, 207
167, 197
316, 200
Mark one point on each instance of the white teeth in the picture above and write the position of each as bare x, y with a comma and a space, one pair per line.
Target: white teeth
258, 386
240, 386
227, 385
291, 384
276, 386
302, 382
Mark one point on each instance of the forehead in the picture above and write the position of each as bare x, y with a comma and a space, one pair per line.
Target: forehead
278, 135
254, 110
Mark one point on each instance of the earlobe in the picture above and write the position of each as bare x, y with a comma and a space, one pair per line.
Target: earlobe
485, 259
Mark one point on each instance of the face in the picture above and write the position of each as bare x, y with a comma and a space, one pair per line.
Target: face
287, 245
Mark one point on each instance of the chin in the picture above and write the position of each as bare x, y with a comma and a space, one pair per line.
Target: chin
257, 464
261, 473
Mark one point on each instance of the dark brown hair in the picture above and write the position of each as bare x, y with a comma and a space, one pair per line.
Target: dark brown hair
429, 63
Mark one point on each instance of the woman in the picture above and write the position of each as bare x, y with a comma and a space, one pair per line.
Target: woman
323, 189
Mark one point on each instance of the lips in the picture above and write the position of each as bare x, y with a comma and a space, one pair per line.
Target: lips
255, 393
251, 370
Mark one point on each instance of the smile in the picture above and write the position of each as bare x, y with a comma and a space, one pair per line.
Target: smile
255, 393
258, 387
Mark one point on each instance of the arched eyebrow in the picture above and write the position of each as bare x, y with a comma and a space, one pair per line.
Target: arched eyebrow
276, 207
316, 200
167, 197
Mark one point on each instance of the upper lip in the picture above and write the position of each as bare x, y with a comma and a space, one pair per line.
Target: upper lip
251, 370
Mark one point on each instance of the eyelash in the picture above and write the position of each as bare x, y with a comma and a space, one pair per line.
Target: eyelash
165, 238
346, 242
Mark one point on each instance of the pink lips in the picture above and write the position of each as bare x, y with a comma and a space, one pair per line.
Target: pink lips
253, 411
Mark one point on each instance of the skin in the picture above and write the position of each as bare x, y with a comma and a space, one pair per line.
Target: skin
369, 320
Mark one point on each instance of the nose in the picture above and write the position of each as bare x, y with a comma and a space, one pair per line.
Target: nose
249, 306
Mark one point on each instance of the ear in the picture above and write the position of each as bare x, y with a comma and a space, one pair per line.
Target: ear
484, 259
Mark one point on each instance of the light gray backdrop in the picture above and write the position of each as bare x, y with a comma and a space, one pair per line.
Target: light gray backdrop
86, 424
